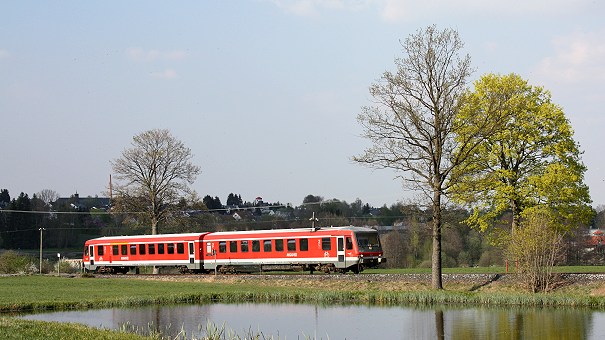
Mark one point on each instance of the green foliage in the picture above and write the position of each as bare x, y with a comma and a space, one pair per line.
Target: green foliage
532, 160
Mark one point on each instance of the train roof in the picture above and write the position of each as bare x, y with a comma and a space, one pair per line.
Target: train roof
223, 233
296, 230
110, 238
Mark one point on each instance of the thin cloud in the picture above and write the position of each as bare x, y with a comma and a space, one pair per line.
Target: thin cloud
139, 54
165, 74
578, 58
4, 54
314, 7
397, 10
401, 10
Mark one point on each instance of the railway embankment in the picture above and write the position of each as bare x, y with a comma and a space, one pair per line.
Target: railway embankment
386, 282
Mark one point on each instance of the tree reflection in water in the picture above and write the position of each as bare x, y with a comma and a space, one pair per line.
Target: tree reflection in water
526, 323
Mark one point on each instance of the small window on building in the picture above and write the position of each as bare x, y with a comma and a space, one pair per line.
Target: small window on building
100, 251
151, 249
291, 245
170, 247
160, 248
142, 249
133, 249
256, 245
279, 245
180, 248
124, 249
114, 250
326, 243
222, 246
233, 246
244, 246
303, 244
267, 245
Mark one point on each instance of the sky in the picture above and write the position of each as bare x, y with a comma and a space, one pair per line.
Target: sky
265, 93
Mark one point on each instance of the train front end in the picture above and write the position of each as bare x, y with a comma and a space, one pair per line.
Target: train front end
368, 247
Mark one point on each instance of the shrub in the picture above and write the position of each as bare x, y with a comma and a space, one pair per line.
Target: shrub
12, 262
66, 268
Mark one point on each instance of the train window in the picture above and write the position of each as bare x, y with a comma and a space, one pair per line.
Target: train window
267, 245
256, 245
170, 247
233, 246
100, 251
222, 246
151, 249
340, 246
133, 249
303, 244
114, 250
191, 248
349, 243
86, 250
326, 243
279, 245
244, 246
160, 248
124, 249
180, 248
142, 249
291, 245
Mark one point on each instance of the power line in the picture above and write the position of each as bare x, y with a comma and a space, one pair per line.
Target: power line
145, 212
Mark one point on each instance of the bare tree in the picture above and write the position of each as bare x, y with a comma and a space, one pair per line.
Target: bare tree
413, 124
48, 196
153, 175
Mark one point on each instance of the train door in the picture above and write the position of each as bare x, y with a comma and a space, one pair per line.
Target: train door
191, 253
91, 253
340, 251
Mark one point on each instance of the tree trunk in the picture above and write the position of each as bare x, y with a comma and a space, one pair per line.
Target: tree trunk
436, 281
514, 207
154, 231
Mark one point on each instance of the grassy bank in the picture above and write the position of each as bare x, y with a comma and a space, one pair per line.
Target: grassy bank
11, 328
32, 293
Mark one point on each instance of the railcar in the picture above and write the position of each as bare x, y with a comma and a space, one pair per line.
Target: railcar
323, 249
120, 254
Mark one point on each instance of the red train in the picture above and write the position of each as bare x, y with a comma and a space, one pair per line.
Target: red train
330, 249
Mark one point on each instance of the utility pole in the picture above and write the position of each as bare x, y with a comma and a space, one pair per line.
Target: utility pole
41, 229
313, 219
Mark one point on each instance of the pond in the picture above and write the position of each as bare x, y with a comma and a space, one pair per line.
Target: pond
300, 321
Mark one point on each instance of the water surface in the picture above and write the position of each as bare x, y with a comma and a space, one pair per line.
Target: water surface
299, 321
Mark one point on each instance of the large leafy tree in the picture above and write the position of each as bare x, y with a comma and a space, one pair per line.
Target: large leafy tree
412, 125
20, 229
533, 161
234, 199
5, 198
153, 175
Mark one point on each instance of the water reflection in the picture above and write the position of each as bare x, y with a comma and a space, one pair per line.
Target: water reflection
293, 321
524, 324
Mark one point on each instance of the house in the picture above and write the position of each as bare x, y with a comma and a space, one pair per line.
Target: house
78, 203
596, 238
